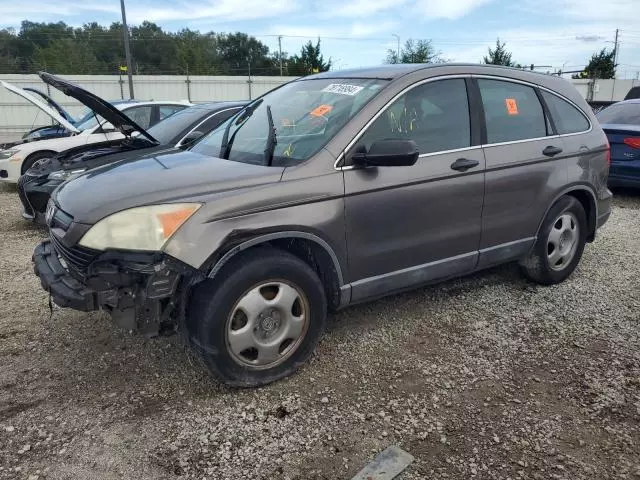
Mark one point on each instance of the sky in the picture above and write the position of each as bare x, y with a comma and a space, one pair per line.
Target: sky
358, 33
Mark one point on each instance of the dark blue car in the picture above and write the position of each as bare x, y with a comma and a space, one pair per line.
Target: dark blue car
621, 123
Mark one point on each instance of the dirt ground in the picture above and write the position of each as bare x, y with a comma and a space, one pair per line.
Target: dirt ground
488, 376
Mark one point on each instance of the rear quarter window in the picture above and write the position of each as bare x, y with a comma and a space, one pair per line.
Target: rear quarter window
566, 117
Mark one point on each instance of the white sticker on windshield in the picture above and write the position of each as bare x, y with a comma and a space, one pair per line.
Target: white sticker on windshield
342, 88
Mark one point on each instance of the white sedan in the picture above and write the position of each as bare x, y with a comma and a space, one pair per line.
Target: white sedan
19, 158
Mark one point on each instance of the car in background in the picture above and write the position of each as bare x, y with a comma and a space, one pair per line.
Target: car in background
57, 129
180, 130
18, 158
621, 124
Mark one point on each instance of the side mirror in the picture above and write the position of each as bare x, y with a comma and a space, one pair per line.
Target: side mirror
106, 127
388, 153
191, 138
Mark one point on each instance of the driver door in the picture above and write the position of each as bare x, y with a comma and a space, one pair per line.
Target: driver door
407, 226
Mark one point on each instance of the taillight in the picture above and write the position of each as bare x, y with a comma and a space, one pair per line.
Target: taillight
608, 154
633, 142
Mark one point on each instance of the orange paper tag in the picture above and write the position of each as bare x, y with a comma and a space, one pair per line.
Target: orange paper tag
512, 106
321, 111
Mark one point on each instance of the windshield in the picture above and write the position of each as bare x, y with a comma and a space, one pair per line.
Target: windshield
306, 115
90, 122
173, 126
622, 113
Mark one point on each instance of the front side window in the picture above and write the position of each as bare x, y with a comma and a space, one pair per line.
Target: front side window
566, 117
305, 115
512, 111
140, 115
435, 115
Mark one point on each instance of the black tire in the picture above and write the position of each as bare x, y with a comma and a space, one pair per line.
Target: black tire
536, 266
33, 158
212, 302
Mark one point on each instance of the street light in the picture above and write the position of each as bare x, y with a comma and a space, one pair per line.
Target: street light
398, 39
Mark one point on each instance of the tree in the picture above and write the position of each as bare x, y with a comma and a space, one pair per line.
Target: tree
238, 50
415, 51
601, 65
500, 56
309, 61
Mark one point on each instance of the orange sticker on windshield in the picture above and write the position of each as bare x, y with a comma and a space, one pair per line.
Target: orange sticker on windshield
321, 111
512, 106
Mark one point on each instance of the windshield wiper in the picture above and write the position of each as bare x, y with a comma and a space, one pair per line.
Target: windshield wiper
242, 116
271, 139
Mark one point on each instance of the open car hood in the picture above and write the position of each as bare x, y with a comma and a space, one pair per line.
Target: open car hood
101, 107
41, 105
51, 102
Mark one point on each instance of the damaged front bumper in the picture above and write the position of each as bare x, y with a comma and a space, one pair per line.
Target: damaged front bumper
141, 290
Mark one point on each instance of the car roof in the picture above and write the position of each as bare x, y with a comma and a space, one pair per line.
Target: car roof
393, 71
631, 100
142, 103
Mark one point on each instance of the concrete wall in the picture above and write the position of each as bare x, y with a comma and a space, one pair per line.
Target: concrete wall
18, 115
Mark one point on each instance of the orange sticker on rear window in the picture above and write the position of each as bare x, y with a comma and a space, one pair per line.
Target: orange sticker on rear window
321, 111
512, 106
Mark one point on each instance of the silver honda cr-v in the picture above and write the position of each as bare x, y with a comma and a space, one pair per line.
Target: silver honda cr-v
330, 190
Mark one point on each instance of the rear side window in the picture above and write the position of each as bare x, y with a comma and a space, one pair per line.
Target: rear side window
512, 111
168, 110
140, 115
567, 118
435, 115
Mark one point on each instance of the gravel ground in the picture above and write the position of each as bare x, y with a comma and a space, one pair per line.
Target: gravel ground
483, 377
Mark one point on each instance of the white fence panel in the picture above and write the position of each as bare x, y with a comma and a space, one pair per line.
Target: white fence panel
17, 115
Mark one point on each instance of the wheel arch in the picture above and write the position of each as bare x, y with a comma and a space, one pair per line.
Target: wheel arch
309, 247
37, 153
587, 198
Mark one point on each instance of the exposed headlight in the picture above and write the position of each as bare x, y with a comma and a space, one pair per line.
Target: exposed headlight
140, 228
4, 154
64, 174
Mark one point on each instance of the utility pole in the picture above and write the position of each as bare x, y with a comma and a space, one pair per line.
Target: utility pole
615, 52
398, 40
280, 52
127, 49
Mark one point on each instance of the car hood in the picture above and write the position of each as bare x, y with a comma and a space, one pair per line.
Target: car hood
101, 107
41, 105
167, 177
51, 102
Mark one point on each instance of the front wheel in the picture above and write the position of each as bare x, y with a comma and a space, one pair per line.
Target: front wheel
560, 243
260, 319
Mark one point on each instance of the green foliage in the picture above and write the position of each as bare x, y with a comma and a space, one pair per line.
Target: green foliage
500, 56
97, 49
414, 51
601, 65
309, 61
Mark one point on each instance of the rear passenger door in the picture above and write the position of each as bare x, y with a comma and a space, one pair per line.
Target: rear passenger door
410, 225
524, 165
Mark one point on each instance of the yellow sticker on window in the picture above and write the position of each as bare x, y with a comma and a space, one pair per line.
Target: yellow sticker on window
321, 111
512, 106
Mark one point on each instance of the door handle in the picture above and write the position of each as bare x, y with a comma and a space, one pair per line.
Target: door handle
464, 164
551, 151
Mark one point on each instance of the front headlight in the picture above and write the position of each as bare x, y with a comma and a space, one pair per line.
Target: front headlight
4, 154
140, 228
64, 174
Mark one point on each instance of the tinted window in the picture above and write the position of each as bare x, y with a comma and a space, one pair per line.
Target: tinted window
566, 117
623, 113
168, 110
512, 111
140, 115
434, 115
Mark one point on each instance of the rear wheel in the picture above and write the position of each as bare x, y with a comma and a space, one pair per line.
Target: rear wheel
260, 319
560, 243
